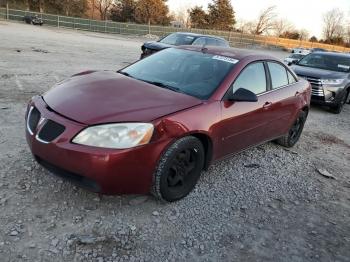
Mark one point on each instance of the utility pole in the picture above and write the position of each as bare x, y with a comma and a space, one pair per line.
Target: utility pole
7, 10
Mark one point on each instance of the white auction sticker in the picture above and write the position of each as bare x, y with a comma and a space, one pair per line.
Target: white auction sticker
225, 59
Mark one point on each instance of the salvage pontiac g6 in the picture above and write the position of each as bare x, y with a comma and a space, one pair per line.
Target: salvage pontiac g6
156, 124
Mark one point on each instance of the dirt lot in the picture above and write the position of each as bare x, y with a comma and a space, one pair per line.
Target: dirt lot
265, 204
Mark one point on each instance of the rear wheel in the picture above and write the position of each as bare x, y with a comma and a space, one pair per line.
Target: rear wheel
179, 169
293, 135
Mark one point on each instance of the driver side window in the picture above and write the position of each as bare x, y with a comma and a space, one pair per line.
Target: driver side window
252, 78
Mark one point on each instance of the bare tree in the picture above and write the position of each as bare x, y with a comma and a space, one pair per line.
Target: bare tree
245, 26
347, 34
265, 20
333, 23
281, 25
103, 6
92, 8
303, 34
27, 4
182, 15
41, 6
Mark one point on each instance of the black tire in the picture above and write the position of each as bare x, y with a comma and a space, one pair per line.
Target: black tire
179, 169
293, 135
339, 107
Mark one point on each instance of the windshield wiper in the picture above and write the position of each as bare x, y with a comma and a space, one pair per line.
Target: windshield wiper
160, 84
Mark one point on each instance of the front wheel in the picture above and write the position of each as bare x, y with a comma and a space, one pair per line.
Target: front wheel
179, 169
293, 135
339, 107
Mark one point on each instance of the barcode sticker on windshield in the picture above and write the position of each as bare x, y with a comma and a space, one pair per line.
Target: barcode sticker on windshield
346, 67
225, 59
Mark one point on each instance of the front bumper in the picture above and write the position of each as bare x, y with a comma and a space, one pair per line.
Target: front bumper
319, 100
107, 171
328, 96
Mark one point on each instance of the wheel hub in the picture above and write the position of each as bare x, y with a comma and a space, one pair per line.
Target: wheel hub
181, 168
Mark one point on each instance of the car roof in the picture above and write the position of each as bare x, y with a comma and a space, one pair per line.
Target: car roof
235, 53
199, 35
333, 54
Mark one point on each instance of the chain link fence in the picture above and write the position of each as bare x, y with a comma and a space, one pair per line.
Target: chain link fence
235, 39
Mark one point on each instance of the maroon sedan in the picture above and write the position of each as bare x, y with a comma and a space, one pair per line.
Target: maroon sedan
156, 124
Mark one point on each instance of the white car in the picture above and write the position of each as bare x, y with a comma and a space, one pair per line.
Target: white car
293, 58
300, 50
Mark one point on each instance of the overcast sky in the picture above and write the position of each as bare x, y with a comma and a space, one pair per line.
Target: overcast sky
302, 13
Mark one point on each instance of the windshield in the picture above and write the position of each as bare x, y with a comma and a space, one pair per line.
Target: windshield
193, 73
326, 61
178, 39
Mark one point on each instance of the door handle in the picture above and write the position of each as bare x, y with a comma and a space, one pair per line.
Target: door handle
267, 105
297, 93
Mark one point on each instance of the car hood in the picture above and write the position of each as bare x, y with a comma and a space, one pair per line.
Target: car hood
156, 45
317, 73
106, 96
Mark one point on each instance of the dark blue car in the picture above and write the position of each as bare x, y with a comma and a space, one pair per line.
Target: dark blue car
177, 39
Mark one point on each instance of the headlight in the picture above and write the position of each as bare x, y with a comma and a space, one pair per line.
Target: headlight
332, 81
117, 136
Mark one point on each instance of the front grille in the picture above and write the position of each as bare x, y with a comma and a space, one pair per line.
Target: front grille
50, 131
33, 119
317, 91
316, 85
70, 176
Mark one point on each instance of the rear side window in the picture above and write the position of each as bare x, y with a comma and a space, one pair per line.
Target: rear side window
211, 42
279, 75
252, 78
199, 41
221, 43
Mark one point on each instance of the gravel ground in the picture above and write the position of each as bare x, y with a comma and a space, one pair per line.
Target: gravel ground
265, 204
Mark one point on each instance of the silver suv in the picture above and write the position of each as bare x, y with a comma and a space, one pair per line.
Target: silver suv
329, 75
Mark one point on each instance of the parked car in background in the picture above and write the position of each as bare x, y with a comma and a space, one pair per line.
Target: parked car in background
177, 39
329, 75
34, 20
156, 124
293, 58
318, 50
301, 50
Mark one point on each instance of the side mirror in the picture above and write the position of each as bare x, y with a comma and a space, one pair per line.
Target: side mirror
243, 95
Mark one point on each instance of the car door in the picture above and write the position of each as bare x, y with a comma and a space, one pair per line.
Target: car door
243, 123
284, 97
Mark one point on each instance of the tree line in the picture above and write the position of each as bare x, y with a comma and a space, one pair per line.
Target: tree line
218, 15
136, 11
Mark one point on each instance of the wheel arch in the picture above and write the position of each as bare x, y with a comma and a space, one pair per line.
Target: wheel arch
207, 144
306, 109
